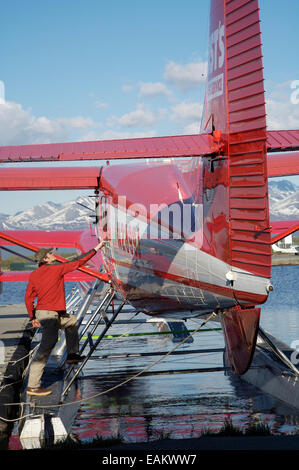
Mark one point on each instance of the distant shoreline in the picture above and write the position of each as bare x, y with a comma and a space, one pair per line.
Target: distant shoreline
278, 259
284, 259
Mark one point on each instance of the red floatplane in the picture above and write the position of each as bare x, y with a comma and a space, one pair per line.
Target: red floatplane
187, 219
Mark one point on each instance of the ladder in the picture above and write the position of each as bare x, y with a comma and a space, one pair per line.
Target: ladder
100, 317
43, 417
72, 299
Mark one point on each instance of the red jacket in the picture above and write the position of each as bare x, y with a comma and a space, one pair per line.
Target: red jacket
47, 284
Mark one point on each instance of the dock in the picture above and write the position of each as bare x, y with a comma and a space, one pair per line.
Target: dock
13, 322
17, 343
15, 340
273, 370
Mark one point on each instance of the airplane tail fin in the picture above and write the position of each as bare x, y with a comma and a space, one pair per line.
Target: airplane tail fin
235, 182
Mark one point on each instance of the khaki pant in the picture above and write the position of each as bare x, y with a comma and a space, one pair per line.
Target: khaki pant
51, 323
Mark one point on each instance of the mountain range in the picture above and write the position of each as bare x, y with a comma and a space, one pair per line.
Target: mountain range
72, 215
284, 200
77, 214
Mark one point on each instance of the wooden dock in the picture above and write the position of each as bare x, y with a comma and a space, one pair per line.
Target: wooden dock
15, 341
14, 321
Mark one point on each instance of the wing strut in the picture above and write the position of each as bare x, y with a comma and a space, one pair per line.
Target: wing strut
28, 246
283, 229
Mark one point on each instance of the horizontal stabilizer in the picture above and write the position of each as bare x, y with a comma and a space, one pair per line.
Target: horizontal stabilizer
149, 147
283, 153
70, 178
283, 141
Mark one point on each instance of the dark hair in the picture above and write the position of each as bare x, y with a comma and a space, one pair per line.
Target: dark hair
42, 261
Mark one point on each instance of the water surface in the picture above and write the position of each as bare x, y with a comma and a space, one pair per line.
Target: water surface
180, 405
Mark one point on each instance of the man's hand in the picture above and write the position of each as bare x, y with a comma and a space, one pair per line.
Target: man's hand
100, 245
36, 323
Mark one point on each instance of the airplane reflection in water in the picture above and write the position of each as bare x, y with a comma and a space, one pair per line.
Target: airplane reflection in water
127, 416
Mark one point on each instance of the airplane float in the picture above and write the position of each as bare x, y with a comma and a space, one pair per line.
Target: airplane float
287, 247
292, 250
187, 218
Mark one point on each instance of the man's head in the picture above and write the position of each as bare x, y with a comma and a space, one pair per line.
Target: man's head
44, 256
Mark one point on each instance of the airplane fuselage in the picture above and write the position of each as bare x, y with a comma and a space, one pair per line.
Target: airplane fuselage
157, 253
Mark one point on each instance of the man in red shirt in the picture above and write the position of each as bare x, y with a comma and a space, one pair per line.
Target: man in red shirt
46, 284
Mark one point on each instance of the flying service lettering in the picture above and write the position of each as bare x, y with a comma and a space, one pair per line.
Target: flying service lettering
216, 51
215, 84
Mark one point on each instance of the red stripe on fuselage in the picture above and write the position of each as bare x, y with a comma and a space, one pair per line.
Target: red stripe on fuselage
249, 297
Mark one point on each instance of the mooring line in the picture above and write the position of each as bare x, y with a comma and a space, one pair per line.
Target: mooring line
149, 333
130, 378
122, 383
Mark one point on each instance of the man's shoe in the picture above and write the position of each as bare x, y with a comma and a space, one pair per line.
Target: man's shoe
74, 358
38, 391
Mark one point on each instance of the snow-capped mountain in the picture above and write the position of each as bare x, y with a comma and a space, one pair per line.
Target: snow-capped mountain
284, 204
51, 216
284, 200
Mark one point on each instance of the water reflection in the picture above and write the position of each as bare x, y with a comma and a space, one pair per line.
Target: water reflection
186, 405
147, 411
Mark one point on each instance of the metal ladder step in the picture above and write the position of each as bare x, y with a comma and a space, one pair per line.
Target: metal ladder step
100, 317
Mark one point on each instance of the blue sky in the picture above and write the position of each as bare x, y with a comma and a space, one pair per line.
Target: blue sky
75, 70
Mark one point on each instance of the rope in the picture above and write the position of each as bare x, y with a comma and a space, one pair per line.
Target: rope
130, 378
3, 387
20, 418
13, 420
151, 333
31, 353
21, 358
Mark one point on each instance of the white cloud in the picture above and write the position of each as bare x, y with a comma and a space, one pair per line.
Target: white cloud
282, 111
127, 88
77, 122
281, 115
111, 135
140, 117
187, 76
193, 128
20, 126
100, 104
153, 89
186, 112
2, 92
